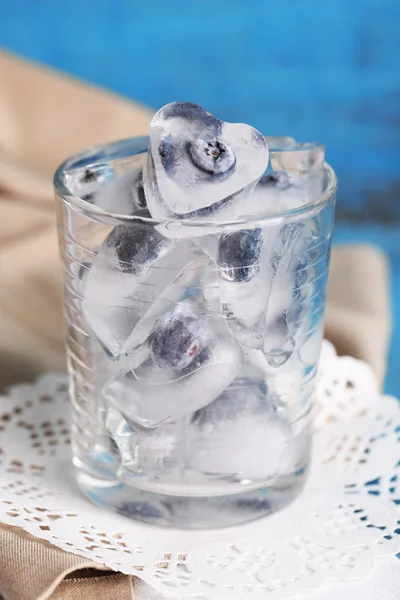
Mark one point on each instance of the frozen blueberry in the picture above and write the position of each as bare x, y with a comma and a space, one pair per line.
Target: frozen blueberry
212, 156
85, 182
239, 254
176, 341
194, 114
278, 179
137, 192
168, 155
241, 398
89, 176
136, 246
89, 197
254, 505
83, 270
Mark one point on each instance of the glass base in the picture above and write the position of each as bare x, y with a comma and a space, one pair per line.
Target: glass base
192, 512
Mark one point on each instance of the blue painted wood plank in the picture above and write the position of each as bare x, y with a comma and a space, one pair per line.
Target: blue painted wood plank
323, 71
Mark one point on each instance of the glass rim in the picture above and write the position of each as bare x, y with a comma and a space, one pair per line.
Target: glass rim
175, 223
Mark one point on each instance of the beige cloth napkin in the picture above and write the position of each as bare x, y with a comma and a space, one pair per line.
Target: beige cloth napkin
44, 118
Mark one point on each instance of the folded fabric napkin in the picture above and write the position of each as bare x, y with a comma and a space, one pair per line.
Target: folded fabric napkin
46, 117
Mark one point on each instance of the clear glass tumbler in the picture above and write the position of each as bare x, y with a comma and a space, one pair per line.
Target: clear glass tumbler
191, 375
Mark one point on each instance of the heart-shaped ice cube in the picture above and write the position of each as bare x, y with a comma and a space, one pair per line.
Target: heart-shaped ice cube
197, 164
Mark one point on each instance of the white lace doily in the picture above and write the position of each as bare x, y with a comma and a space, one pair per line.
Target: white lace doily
346, 518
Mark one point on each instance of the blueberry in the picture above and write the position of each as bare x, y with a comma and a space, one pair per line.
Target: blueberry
88, 198
258, 138
212, 156
90, 176
242, 397
84, 269
239, 254
142, 211
278, 179
169, 155
138, 195
136, 246
175, 343
254, 505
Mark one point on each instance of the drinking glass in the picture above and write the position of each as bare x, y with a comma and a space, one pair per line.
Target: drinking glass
191, 380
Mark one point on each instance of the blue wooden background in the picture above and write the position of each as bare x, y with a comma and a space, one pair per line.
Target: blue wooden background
323, 71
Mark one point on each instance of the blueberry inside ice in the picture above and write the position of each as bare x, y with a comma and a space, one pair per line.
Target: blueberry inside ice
175, 342
139, 194
239, 254
89, 176
240, 398
136, 246
278, 179
169, 155
191, 112
212, 156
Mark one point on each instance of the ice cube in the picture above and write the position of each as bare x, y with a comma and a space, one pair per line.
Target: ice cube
210, 291
145, 451
279, 142
157, 450
188, 283
276, 193
245, 282
279, 342
254, 364
258, 310
298, 178
186, 362
209, 244
305, 294
102, 453
121, 433
300, 157
133, 266
300, 273
240, 434
305, 161
85, 182
124, 195
198, 165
